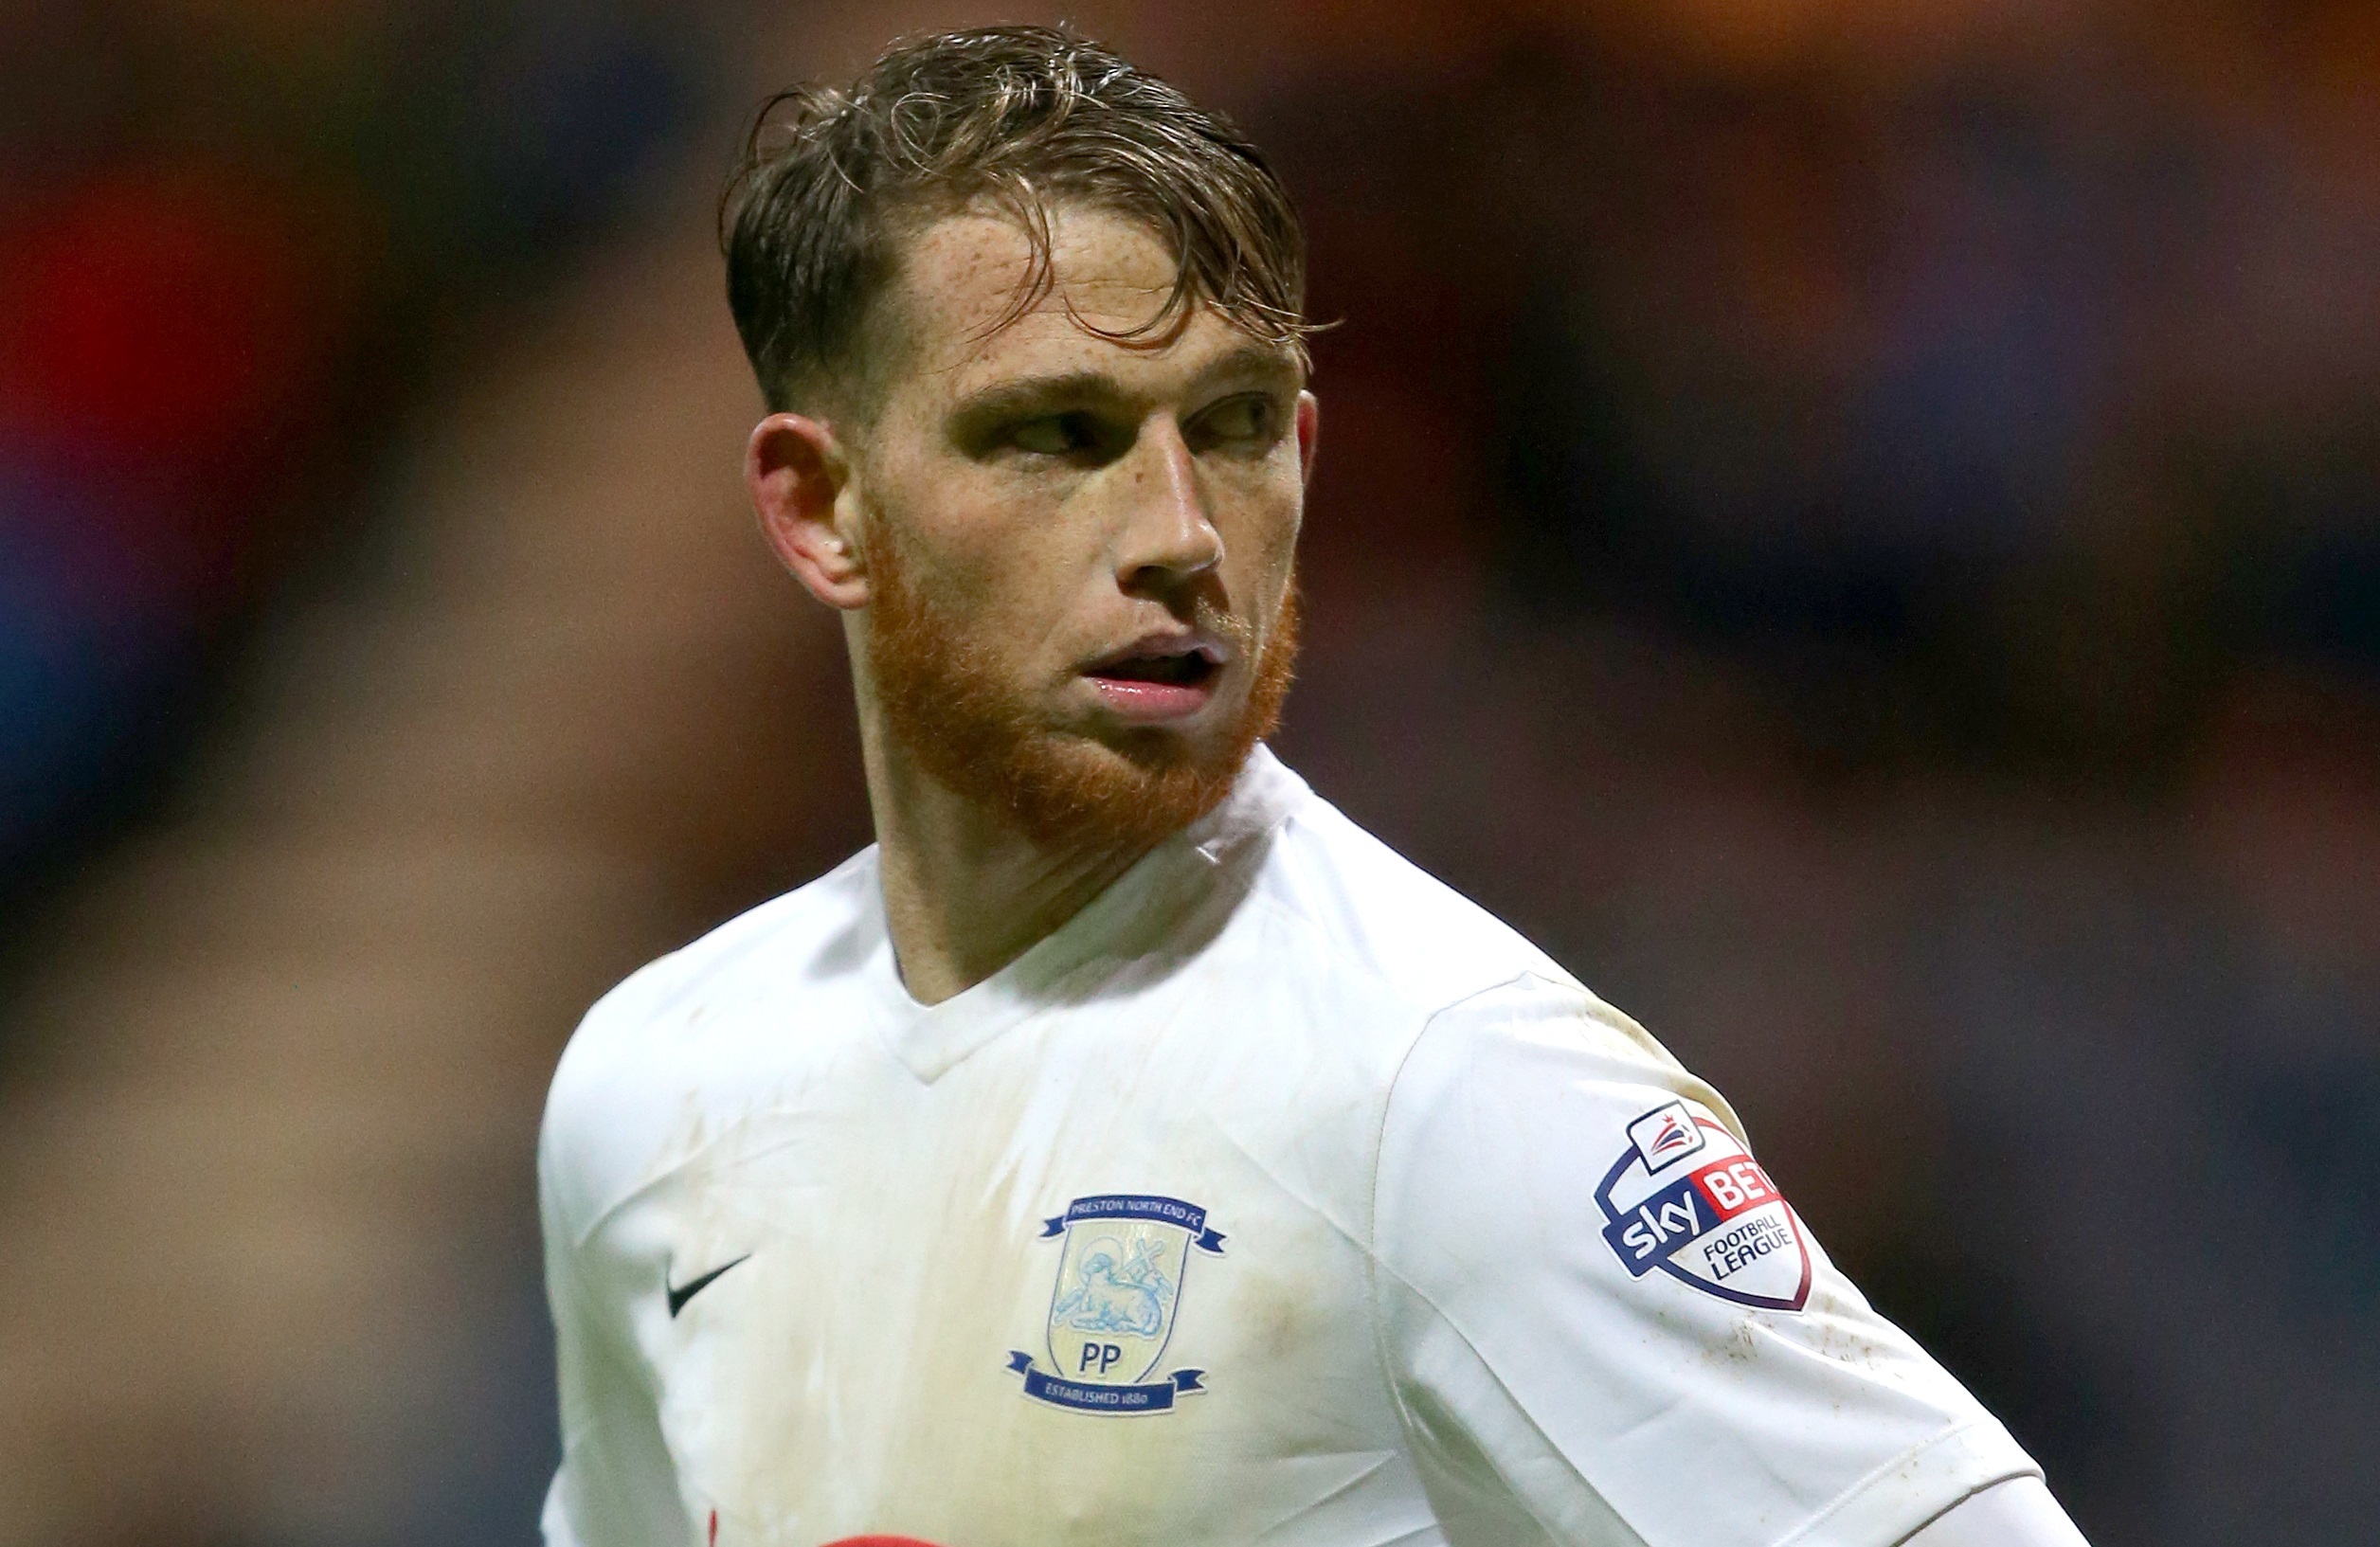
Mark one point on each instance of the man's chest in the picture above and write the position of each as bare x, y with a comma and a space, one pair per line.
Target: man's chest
1036, 1309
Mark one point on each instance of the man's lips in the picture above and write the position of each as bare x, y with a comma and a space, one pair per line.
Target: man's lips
1161, 679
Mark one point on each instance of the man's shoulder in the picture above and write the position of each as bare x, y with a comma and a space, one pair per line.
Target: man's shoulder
1473, 985
1370, 912
626, 1066
809, 933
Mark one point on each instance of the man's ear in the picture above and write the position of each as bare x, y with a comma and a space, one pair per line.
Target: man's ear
796, 471
1310, 431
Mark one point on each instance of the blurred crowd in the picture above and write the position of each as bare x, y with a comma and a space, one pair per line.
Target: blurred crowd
1918, 495
232, 238
1856, 524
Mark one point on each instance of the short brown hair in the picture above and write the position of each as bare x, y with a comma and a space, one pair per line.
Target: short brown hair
1022, 117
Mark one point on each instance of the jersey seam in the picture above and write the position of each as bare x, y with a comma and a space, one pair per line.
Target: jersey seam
601, 1315
1923, 1525
1526, 1416
1877, 1474
636, 1190
1372, 1188
1372, 1265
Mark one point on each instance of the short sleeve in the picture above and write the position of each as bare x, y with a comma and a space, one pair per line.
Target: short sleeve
617, 1485
1605, 1324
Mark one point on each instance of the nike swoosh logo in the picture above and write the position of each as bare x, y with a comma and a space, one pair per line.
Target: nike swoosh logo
678, 1296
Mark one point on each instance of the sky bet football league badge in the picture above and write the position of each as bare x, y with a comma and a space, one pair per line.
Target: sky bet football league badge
1111, 1312
1687, 1198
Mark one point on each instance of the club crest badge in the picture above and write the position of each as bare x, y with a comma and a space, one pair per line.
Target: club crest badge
1687, 1198
1111, 1312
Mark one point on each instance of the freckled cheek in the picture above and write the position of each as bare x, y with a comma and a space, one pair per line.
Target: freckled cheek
1030, 596
1259, 548
990, 552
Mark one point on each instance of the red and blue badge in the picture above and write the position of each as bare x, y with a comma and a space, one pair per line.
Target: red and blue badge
1688, 1199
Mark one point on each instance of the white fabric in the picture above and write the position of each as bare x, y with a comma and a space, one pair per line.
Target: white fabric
1395, 1113
2017, 1513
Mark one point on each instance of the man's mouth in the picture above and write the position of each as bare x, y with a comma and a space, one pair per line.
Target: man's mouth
1178, 670
1153, 683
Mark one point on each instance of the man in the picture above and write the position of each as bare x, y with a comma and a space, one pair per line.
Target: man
1127, 1148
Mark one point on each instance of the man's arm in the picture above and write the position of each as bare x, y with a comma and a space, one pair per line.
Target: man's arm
1604, 1323
617, 1485
2018, 1513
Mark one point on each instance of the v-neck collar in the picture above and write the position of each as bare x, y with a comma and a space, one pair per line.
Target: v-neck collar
1080, 954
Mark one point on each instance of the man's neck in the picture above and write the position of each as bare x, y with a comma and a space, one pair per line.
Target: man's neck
965, 893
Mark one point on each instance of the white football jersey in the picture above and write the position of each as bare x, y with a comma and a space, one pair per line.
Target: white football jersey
1281, 1195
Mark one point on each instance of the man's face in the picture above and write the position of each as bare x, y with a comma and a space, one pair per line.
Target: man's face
1078, 550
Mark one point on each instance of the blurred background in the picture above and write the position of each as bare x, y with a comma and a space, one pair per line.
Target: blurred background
1856, 523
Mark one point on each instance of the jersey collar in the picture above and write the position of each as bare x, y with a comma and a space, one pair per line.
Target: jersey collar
1150, 919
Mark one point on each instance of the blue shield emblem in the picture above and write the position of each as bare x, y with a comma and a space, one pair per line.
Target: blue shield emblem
1119, 1275
1687, 1198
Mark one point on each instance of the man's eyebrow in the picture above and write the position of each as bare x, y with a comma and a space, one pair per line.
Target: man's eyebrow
1004, 398
1038, 393
1252, 359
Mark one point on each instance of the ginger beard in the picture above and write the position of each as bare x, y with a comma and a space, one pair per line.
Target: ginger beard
945, 700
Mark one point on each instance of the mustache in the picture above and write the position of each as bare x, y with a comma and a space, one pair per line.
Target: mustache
1234, 629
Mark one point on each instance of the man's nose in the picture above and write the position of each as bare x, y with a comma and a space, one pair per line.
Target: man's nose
1168, 535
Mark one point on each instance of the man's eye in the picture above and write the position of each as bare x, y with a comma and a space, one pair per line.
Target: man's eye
1239, 419
1054, 436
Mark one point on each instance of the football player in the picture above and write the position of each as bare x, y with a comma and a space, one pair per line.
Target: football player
1126, 1147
